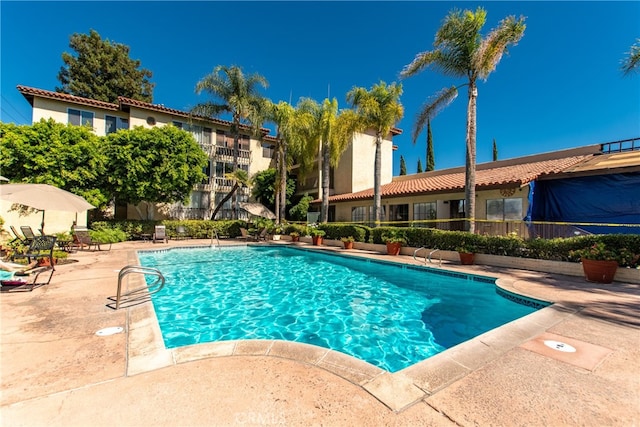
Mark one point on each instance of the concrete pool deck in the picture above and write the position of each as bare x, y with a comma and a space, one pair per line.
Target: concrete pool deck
55, 370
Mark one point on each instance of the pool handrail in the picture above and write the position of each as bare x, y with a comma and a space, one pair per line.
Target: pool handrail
138, 294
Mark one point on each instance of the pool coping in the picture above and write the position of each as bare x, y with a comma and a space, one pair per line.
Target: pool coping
398, 391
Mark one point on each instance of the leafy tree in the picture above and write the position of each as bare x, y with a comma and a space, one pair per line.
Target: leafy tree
379, 109
323, 128
495, 150
461, 51
157, 165
403, 166
102, 70
299, 211
431, 162
419, 166
631, 63
65, 156
240, 178
239, 96
264, 187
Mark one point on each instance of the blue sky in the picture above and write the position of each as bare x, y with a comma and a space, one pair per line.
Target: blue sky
560, 87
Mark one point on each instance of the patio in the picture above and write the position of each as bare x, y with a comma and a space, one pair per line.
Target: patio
57, 371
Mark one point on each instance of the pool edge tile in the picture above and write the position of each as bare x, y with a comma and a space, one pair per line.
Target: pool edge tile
203, 351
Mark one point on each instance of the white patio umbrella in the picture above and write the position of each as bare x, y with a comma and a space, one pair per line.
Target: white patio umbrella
258, 209
44, 197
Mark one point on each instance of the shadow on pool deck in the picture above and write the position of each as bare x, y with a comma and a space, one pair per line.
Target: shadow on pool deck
57, 371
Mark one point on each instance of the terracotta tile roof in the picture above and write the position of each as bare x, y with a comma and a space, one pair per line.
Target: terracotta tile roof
452, 180
30, 92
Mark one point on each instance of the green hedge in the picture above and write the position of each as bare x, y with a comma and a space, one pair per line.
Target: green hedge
546, 249
197, 229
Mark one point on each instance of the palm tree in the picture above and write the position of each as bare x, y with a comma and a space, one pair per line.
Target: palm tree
460, 51
632, 62
284, 116
239, 95
240, 178
327, 131
379, 109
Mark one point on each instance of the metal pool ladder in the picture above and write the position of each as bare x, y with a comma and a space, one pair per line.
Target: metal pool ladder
428, 257
214, 233
138, 295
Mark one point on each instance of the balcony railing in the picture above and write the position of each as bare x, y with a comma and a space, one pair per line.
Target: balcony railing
621, 146
225, 151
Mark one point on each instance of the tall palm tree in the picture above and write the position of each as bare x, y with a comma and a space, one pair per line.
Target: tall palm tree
238, 95
325, 130
379, 109
460, 51
632, 62
287, 132
240, 178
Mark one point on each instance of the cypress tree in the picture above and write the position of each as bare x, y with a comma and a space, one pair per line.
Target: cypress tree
419, 166
403, 166
431, 162
495, 150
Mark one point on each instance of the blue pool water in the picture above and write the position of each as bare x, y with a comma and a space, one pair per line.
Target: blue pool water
388, 315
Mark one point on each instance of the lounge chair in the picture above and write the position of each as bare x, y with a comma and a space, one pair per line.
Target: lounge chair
160, 234
262, 235
82, 239
40, 251
18, 238
28, 233
244, 234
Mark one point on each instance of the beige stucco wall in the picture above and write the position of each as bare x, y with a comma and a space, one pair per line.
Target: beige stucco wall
355, 171
257, 162
58, 111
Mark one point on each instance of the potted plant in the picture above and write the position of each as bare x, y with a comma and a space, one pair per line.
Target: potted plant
316, 235
348, 242
276, 232
394, 240
600, 263
295, 236
467, 253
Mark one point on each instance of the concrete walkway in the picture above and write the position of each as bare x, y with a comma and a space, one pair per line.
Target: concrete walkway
55, 370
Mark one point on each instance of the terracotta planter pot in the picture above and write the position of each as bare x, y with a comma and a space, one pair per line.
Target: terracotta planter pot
45, 262
466, 258
599, 271
317, 240
348, 245
295, 238
393, 248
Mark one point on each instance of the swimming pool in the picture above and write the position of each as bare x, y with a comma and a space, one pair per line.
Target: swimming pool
387, 314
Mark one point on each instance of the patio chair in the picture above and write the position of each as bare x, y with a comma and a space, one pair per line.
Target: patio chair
40, 251
262, 235
82, 239
18, 238
160, 234
28, 233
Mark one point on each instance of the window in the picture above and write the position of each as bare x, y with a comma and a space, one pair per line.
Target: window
504, 209
267, 150
399, 212
359, 214
80, 118
424, 211
113, 124
177, 124
199, 200
207, 171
